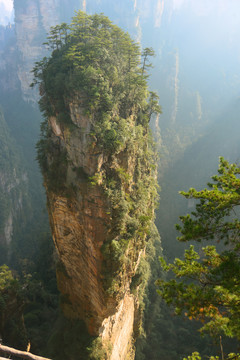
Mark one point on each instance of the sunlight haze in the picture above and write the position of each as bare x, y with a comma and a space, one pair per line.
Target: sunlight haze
6, 11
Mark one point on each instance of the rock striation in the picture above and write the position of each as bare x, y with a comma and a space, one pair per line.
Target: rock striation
82, 220
99, 170
81, 223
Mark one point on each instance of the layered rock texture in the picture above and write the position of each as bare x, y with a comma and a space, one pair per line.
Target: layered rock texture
99, 172
95, 286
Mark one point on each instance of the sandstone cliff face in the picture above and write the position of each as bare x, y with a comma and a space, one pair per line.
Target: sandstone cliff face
99, 169
82, 217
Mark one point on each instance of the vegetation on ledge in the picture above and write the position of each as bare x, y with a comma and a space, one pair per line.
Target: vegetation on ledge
101, 65
97, 59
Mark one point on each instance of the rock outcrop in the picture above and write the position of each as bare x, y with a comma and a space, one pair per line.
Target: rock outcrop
99, 171
82, 218
81, 223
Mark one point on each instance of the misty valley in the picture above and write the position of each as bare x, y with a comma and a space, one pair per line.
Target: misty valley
119, 180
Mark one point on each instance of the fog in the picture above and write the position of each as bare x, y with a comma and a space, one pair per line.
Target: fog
196, 73
6, 12
196, 70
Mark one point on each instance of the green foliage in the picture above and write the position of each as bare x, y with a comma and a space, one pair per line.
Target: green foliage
132, 199
145, 58
196, 356
29, 301
99, 63
140, 279
6, 277
132, 215
53, 161
11, 304
69, 339
211, 218
41, 297
96, 59
206, 285
99, 352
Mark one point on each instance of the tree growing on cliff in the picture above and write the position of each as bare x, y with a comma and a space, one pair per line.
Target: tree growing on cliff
97, 58
207, 283
98, 65
94, 88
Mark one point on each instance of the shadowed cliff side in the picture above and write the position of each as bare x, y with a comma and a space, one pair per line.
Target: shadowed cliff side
99, 167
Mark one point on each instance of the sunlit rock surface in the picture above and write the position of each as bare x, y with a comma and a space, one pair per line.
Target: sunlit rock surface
81, 222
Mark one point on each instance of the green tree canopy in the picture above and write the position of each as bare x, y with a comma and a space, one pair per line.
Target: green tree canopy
206, 286
97, 65
94, 57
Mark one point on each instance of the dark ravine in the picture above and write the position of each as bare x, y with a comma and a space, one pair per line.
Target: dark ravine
99, 173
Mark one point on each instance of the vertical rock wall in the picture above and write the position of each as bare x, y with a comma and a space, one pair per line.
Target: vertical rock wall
81, 220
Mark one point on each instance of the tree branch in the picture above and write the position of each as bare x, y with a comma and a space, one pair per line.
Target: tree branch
21, 354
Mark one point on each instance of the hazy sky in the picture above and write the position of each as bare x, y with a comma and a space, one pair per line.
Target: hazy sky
8, 4
204, 7
6, 11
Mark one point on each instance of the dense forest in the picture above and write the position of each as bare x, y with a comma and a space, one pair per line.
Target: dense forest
188, 301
